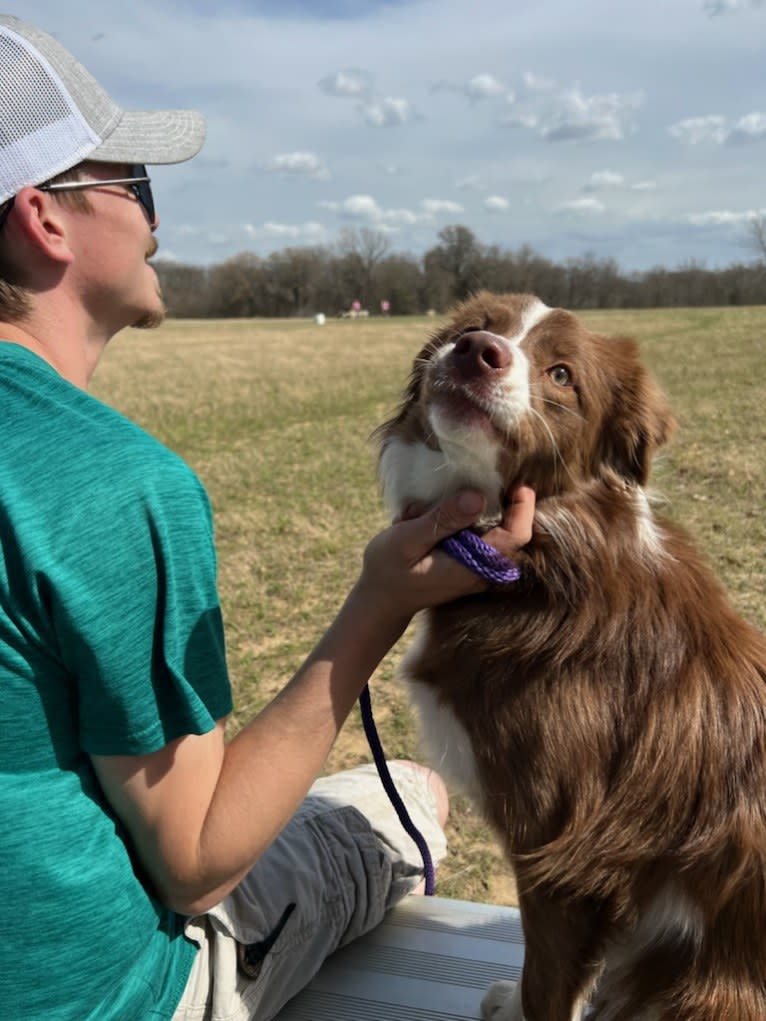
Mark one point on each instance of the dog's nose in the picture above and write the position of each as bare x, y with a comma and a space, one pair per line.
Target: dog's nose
479, 354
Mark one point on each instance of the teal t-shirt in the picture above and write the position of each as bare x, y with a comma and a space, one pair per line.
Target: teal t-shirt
111, 642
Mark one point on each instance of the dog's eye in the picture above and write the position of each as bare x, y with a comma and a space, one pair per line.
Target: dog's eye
560, 375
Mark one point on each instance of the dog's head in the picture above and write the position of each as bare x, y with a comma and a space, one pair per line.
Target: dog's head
513, 391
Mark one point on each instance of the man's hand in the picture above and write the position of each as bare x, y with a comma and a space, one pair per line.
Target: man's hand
405, 571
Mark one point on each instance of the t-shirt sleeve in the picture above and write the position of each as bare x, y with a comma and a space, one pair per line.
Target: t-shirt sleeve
137, 614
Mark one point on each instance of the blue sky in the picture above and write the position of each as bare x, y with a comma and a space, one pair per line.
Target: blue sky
632, 129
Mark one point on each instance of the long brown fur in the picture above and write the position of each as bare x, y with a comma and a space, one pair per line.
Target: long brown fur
614, 701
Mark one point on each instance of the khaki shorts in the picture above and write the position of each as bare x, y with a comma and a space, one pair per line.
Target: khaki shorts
342, 861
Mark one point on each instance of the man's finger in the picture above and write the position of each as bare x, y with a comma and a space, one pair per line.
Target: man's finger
516, 530
455, 512
520, 512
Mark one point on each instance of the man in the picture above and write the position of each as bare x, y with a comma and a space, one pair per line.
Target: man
148, 869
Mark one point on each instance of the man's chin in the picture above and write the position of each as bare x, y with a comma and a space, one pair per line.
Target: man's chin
151, 320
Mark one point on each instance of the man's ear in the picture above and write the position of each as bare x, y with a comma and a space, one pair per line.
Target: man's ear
40, 224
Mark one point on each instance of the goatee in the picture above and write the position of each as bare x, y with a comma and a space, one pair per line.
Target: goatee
151, 320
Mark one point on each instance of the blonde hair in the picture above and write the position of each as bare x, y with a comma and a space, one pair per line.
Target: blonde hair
15, 298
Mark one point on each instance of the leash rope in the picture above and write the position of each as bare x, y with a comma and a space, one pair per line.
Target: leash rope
471, 551
368, 722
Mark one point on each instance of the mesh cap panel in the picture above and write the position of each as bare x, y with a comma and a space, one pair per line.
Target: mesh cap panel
54, 114
41, 131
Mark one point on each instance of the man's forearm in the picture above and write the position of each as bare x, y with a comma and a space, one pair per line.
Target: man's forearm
269, 766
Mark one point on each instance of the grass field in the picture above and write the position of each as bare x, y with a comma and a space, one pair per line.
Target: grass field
275, 417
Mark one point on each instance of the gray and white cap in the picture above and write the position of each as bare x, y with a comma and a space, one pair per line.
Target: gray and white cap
54, 114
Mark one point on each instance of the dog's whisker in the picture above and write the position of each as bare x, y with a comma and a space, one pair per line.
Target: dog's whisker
563, 407
558, 458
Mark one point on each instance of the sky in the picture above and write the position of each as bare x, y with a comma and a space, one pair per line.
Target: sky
624, 129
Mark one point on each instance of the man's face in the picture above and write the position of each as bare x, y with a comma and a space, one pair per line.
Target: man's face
113, 242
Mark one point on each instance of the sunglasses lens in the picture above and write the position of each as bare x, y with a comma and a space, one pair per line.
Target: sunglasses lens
144, 192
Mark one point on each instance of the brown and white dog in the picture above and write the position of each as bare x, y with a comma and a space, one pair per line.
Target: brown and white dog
608, 712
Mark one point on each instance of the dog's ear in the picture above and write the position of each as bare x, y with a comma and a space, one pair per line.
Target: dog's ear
639, 420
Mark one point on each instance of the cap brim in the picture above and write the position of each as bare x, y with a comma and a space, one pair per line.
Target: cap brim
165, 136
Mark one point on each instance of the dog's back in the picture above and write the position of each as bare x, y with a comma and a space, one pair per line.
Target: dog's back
608, 712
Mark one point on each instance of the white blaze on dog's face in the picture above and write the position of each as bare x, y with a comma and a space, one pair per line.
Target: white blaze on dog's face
475, 390
512, 390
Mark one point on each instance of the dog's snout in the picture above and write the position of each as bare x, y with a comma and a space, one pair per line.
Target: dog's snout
481, 354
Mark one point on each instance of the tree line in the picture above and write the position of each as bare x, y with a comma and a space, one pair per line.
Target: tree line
360, 271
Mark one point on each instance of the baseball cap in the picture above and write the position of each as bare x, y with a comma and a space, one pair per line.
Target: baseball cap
54, 114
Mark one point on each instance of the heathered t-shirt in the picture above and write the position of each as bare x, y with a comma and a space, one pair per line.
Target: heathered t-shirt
111, 642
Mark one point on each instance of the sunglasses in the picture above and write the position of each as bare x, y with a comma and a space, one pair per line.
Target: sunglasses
138, 183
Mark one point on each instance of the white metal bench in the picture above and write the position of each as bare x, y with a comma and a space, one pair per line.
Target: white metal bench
431, 959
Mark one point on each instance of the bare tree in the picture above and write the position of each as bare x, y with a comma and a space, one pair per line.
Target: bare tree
459, 256
184, 289
360, 251
757, 236
235, 287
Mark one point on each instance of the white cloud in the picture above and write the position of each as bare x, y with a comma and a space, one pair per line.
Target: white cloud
496, 204
433, 207
569, 115
365, 208
298, 164
698, 130
644, 186
351, 83
481, 86
575, 115
602, 179
724, 218
716, 130
469, 183
484, 86
715, 7
582, 207
751, 127
537, 82
403, 217
524, 120
308, 231
186, 230
385, 113
355, 206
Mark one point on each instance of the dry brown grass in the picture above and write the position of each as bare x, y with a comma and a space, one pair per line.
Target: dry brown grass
275, 417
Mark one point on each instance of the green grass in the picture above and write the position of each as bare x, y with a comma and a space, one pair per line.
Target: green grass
275, 416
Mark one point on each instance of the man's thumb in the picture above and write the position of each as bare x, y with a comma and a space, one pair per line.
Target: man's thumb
456, 512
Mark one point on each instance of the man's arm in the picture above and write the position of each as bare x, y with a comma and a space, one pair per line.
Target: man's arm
201, 812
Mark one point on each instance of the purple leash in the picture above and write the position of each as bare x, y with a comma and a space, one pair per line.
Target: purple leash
471, 551
388, 785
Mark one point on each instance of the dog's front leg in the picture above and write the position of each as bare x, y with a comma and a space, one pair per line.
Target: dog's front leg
561, 965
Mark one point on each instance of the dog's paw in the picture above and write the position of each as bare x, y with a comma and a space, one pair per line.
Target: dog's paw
502, 1002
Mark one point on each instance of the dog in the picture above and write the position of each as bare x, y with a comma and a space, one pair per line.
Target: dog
607, 712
